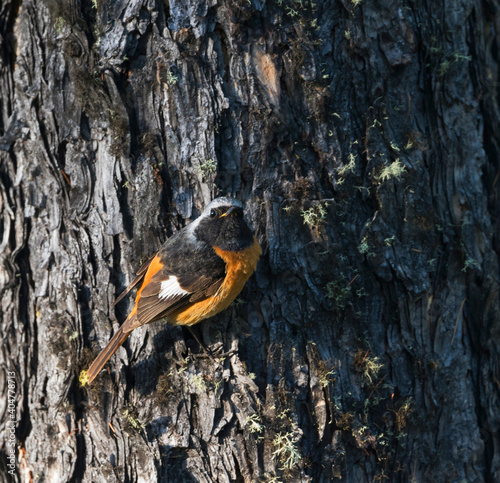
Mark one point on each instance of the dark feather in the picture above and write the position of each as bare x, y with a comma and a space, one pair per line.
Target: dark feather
207, 290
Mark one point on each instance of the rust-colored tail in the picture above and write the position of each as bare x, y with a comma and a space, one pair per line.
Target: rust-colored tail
112, 346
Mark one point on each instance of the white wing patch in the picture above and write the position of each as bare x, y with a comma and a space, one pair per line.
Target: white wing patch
170, 288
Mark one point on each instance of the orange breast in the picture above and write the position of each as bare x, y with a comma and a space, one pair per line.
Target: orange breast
239, 266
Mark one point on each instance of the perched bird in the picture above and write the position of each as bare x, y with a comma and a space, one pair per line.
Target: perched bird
197, 273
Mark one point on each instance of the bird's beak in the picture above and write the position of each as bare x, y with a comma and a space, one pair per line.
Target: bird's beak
228, 212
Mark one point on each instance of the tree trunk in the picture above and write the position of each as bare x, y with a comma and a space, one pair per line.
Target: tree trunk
364, 138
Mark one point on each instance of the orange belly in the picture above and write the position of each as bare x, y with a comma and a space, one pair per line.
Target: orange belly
239, 266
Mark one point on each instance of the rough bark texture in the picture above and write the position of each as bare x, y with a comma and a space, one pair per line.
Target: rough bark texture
364, 139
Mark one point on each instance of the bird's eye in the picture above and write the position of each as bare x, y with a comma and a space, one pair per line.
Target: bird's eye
212, 213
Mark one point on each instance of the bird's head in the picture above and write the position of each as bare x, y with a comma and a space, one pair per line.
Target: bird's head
222, 225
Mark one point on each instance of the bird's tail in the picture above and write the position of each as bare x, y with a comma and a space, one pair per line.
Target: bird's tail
112, 346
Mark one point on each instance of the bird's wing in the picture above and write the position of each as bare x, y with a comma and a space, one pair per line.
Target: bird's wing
188, 273
167, 293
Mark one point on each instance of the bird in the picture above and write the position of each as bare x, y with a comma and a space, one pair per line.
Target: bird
196, 274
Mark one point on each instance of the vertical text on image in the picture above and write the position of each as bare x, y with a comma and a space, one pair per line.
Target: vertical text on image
12, 423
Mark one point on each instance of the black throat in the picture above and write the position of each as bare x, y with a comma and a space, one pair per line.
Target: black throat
227, 233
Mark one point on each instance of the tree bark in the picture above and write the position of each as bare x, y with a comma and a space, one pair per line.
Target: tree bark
364, 138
